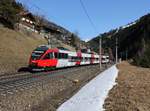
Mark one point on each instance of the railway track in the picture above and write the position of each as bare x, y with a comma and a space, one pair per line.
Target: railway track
25, 81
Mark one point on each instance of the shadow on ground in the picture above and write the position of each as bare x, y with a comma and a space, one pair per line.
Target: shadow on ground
24, 69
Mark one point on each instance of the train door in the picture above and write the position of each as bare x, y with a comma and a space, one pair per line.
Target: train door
48, 60
62, 60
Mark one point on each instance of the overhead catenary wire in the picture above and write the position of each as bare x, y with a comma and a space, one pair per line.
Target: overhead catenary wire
89, 18
95, 29
33, 5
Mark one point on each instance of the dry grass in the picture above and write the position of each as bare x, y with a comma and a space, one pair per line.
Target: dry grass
15, 49
132, 93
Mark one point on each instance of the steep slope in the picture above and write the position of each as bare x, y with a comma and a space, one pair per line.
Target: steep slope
133, 41
15, 49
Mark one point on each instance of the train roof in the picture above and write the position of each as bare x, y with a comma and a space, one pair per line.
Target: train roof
49, 47
61, 49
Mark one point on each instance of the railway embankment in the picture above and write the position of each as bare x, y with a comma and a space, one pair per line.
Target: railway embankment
16, 48
48, 92
132, 91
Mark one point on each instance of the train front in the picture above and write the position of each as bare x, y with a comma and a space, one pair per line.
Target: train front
36, 58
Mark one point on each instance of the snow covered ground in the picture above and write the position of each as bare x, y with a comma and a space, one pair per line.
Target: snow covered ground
91, 97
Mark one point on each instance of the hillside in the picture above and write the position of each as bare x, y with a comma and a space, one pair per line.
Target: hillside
133, 41
28, 21
132, 90
16, 47
25, 32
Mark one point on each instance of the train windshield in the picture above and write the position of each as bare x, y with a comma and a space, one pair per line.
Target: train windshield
38, 52
36, 55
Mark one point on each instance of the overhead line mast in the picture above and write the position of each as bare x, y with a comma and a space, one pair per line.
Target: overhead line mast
92, 24
100, 52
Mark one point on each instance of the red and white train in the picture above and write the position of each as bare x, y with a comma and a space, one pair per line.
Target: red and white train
43, 58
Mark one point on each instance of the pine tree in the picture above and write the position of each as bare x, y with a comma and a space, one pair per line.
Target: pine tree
9, 10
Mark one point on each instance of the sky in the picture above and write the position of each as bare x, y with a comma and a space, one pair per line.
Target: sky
105, 14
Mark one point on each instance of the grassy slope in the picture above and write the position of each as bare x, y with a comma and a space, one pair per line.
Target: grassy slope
132, 91
15, 49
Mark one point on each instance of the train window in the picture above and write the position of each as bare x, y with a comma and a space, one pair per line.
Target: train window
51, 55
103, 58
59, 55
89, 59
56, 55
76, 58
81, 58
86, 59
73, 59
41, 48
48, 56
36, 55
66, 56
62, 56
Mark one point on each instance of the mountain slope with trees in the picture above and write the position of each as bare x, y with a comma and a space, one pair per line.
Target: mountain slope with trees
133, 41
9, 10
11, 13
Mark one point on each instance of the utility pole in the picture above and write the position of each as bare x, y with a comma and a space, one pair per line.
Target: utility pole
116, 50
126, 54
49, 41
100, 52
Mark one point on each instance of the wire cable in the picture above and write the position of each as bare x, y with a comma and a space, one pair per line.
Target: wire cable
89, 18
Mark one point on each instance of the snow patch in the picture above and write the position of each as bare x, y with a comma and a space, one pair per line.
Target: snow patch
91, 97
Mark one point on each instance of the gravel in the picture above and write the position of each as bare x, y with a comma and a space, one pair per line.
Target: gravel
48, 94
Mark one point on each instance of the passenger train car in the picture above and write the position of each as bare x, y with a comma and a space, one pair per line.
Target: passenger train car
105, 59
43, 58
